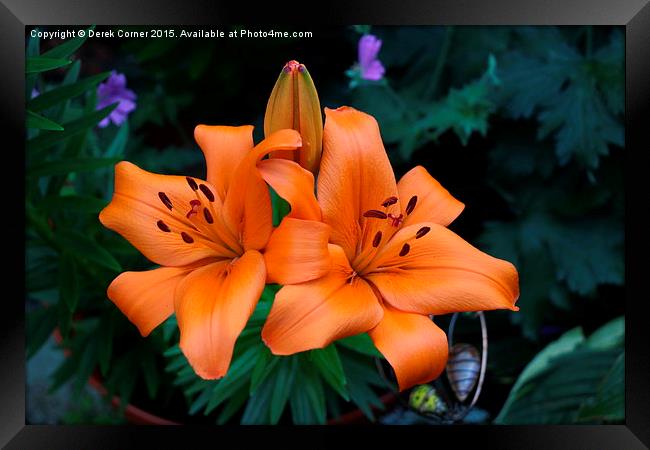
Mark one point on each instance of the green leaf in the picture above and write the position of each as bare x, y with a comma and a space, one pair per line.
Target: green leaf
66, 92
105, 331
42, 64
257, 408
564, 382
609, 402
68, 281
307, 396
283, 381
238, 375
73, 203
41, 123
83, 246
48, 139
265, 364
235, 403
68, 47
328, 362
360, 343
39, 326
65, 166
610, 335
118, 145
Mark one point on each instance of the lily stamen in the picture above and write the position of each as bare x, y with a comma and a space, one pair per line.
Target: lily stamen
411, 204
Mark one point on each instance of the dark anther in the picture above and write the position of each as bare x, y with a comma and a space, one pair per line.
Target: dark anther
186, 237
375, 214
163, 226
208, 216
411, 205
422, 231
207, 192
377, 239
389, 201
405, 249
166, 201
192, 183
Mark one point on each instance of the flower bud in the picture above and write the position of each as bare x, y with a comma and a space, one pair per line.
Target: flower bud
294, 104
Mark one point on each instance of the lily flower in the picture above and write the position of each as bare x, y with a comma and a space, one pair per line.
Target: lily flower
210, 237
394, 261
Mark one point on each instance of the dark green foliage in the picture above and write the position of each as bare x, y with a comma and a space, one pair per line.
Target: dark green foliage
573, 380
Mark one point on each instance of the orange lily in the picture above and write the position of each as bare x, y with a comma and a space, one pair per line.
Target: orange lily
394, 261
211, 237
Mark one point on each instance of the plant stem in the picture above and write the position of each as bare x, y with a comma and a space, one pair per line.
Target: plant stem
440, 63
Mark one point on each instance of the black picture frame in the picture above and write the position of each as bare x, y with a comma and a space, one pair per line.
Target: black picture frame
634, 15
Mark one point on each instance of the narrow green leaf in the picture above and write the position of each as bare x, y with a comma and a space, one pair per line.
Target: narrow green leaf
48, 139
66, 92
39, 326
41, 64
237, 400
360, 343
85, 247
39, 122
68, 281
65, 319
65, 166
284, 377
105, 330
237, 376
68, 47
328, 362
265, 364
117, 147
257, 408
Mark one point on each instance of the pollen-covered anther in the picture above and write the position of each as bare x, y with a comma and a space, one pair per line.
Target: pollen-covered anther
377, 239
411, 204
207, 192
166, 201
395, 221
195, 205
405, 249
186, 237
192, 183
207, 215
422, 231
389, 201
163, 226
375, 214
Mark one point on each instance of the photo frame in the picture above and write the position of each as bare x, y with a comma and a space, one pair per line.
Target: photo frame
15, 15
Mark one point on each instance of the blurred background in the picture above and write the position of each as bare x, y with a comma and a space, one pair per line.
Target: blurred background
522, 124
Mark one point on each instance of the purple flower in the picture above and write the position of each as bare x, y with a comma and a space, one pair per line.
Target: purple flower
371, 67
111, 91
35, 93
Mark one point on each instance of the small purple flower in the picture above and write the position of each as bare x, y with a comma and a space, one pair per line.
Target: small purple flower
35, 93
371, 67
111, 91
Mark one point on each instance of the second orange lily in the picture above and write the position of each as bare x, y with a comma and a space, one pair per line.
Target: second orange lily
395, 262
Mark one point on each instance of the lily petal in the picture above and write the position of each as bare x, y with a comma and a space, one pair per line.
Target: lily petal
137, 209
147, 298
434, 202
212, 305
297, 251
314, 314
355, 177
247, 208
224, 148
414, 346
294, 184
442, 273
